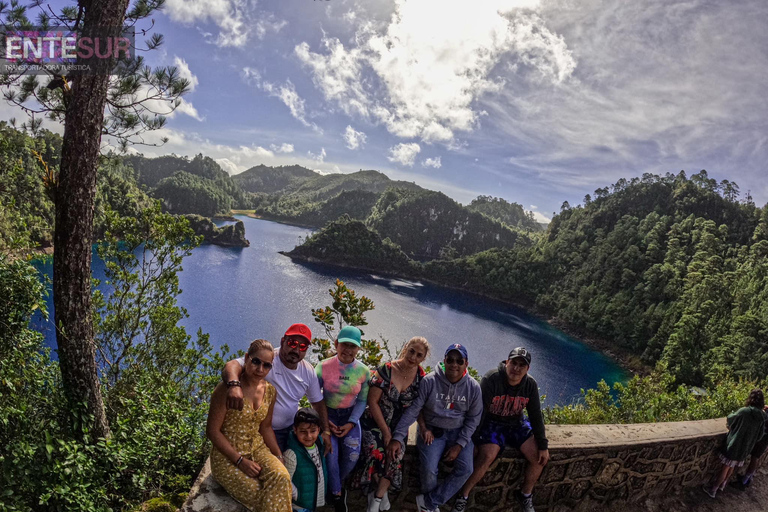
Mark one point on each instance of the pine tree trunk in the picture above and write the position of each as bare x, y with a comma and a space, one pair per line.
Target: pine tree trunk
75, 195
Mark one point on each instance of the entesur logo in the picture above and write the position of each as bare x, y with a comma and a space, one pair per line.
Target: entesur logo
61, 51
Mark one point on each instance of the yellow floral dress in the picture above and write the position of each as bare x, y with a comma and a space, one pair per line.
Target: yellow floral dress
271, 491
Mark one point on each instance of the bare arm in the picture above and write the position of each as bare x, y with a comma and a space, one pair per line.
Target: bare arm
234, 395
268, 434
216, 414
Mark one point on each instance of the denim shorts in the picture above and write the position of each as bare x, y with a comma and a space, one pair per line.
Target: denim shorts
491, 432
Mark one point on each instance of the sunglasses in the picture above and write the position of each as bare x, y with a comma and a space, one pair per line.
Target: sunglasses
303, 345
258, 362
451, 360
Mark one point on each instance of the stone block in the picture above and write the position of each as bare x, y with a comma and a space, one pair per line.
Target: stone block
553, 473
608, 472
636, 483
496, 472
561, 492
579, 489
489, 498
586, 468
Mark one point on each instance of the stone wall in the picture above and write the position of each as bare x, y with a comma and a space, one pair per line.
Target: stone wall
589, 465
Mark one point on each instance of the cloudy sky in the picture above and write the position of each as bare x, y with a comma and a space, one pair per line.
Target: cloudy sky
535, 101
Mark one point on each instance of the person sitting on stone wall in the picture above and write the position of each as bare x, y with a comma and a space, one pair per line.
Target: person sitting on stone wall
451, 403
507, 390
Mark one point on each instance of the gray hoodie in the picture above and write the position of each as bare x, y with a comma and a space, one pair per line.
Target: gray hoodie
445, 405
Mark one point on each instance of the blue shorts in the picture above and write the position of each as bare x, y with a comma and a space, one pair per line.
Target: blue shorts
491, 432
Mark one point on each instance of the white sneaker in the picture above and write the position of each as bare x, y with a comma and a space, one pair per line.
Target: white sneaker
420, 503
385, 504
373, 502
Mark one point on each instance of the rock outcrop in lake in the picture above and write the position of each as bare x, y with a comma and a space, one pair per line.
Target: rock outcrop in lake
231, 235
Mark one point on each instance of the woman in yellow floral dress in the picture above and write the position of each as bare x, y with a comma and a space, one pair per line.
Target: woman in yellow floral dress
245, 458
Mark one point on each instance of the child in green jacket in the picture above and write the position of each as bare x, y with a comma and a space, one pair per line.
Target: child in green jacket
305, 462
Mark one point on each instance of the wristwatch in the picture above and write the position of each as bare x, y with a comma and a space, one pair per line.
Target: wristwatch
233, 384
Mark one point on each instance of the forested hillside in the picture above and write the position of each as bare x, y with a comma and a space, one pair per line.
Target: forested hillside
511, 214
318, 199
429, 225
28, 165
268, 180
198, 185
671, 268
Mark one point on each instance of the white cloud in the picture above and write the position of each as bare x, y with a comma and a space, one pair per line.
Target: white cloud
432, 162
228, 165
229, 15
319, 158
540, 217
404, 154
269, 24
285, 93
422, 79
283, 148
659, 88
353, 138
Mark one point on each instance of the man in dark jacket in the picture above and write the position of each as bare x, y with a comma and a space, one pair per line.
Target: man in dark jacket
507, 390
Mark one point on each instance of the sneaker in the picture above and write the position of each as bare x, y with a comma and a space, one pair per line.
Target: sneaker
460, 505
710, 492
374, 503
526, 503
339, 502
385, 504
420, 503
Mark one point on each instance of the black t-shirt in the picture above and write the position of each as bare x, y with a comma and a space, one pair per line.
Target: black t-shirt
504, 404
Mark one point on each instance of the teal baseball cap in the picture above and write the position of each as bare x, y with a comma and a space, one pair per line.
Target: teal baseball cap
350, 334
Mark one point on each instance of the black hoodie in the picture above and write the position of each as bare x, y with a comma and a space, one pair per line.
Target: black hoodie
504, 404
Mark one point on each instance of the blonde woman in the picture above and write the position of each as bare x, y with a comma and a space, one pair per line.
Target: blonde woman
245, 458
393, 387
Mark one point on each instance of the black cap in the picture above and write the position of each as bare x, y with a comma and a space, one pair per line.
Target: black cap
520, 352
306, 415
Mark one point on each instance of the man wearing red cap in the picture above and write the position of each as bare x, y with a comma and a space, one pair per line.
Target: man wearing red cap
292, 377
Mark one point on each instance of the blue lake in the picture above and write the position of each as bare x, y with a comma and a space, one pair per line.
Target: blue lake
239, 294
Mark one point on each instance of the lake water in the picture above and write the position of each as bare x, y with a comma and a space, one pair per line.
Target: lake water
239, 294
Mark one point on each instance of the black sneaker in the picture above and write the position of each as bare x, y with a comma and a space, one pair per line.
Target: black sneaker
526, 503
339, 502
460, 505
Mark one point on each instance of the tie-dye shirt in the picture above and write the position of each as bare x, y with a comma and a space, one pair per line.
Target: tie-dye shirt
343, 384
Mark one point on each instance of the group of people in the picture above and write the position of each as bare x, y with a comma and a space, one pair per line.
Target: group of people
271, 455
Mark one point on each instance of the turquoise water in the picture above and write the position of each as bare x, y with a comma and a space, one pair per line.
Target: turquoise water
239, 294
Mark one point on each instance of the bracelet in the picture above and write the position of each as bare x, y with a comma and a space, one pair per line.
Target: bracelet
233, 384
239, 461
326, 432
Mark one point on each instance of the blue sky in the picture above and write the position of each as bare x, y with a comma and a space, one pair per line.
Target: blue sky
535, 101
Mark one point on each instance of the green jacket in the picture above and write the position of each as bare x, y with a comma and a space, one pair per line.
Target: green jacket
305, 477
745, 428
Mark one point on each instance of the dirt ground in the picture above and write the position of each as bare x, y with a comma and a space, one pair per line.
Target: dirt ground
753, 499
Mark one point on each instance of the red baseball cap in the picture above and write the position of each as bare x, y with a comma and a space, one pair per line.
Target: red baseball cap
299, 330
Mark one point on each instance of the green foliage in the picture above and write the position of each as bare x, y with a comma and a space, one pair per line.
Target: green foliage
269, 180
186, 193
356, 204
511, 214
346, 309
198, 185
429, 225
654, 398
28, 171
156, 379
349, 242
